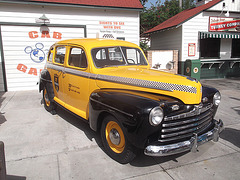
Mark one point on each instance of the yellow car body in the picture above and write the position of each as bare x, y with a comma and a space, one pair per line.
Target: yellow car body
95, 90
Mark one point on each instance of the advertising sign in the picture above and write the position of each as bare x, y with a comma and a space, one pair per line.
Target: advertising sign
224, 24
191, 49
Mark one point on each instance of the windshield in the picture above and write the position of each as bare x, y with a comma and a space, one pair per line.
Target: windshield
117, 56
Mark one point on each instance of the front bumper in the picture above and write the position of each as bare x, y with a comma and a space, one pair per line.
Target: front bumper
190, 145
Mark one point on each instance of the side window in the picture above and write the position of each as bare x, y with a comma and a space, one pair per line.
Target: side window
132, 56
77, 58
60, 54
50, 54
101, 54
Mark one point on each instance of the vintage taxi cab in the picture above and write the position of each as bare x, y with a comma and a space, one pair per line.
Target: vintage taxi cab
110, 84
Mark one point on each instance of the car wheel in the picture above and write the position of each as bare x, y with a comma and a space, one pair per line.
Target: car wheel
115, 142
49, 105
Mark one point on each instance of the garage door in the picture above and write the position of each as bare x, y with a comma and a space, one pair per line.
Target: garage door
25, 52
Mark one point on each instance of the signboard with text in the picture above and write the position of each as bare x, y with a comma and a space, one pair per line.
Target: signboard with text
224, 24
191, 49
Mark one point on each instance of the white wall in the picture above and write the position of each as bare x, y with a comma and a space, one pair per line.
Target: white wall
1, 73
77, 16
229, 5
191, 29
162, 58
1, 79
120, 23
167, 40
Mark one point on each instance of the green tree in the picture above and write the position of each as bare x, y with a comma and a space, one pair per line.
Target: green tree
160, 12
187, 4
143, 2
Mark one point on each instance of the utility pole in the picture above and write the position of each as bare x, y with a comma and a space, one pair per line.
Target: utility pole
180, 4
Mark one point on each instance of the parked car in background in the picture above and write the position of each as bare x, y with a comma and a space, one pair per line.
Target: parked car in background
110, 84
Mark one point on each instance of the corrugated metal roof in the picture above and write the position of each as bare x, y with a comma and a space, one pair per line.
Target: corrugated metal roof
104, 3
182, 17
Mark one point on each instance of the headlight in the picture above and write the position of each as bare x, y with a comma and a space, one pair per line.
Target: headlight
156, 116
216, 99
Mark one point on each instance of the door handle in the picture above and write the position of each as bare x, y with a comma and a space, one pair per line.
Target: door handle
63, 74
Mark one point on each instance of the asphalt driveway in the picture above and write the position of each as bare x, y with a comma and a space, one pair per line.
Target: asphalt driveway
39, 145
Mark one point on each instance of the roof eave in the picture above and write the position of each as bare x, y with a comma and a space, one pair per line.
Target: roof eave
161, 30
71, 5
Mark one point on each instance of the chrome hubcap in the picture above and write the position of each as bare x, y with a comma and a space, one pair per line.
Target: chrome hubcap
46, 97
114, 137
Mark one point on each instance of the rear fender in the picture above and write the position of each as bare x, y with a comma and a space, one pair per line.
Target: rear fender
45, 81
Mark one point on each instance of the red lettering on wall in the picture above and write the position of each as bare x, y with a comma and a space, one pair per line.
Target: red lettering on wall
33, 71
57, 35
22, 67
33, 34
45, 34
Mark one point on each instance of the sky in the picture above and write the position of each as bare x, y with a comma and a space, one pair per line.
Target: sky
148, 4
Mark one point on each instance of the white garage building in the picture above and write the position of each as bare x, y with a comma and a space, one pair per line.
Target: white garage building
29, 27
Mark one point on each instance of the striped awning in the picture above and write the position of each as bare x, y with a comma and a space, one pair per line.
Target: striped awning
204, 35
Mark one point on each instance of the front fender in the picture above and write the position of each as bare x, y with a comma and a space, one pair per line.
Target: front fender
130, 108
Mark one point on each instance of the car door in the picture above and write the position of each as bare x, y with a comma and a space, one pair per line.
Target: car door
57, 74
76, 81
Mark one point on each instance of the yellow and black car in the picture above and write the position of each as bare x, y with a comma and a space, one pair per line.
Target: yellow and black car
110, 84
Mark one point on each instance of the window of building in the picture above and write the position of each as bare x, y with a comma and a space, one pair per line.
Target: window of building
235, 48
210, 48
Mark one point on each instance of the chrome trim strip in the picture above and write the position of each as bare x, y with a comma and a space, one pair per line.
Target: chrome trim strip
80, 73
169, 130
111, 107
198, 128
55, 67
198, 109
177, 138
192, 144
127, 81
195, 119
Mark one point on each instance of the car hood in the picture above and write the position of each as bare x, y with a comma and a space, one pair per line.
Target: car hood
140, 78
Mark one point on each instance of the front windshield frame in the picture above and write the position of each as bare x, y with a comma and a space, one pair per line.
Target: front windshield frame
113, 56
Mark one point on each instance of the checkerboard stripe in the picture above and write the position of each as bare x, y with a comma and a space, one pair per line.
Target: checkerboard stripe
148, 84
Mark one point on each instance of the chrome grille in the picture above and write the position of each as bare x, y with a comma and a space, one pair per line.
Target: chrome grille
184, 125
